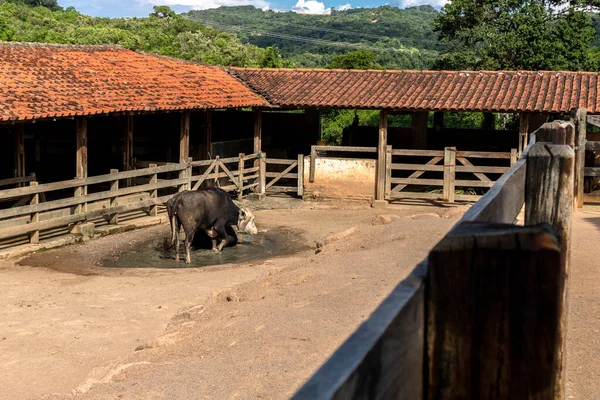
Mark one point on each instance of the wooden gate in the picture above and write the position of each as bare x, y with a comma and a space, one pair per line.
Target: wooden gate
289, 177
239, 177
436, 174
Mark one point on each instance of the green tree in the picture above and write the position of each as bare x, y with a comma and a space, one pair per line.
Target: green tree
358, 59
51, 4
515, 34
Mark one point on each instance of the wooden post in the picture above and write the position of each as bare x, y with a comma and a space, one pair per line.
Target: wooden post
81, 160
381, 160
257, 133
514, 156
523, 131
153, 193
262, 176
449, 173
313, 163
128, 145
184, 137
579, 117
217, 179
300, 175
493, 313
388, 172
188, 173
418, 137
241, 176
207, 140
34, 237
113, 219
19, 151
549, 199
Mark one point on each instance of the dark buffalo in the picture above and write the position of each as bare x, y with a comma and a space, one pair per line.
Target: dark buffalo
212, 210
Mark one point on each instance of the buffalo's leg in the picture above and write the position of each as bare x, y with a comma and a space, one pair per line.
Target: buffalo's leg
189, 236
176, 238
228, 236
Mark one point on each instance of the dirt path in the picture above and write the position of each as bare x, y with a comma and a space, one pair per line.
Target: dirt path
583, 336
74, 324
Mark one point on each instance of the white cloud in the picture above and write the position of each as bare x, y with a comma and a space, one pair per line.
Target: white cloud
205, 4
344, 7
310, 7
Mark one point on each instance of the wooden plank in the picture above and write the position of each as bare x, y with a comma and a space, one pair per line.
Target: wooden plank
250, 186
300, 174
262, 176
514, 156
280, 161
34, 237
589, 145
201, 163
412, 181
381, 156
48, 187
417, 167
228, 173
449, 173
383, 358
81, 164
349, 149
250, 170
493, 293
424, 153
251, 157
579, 117
313, 161
523, 131
591, 171
481, 169
14, 181
591, 198
388, 171
153, 194
278, 174
229, 160
417, 174
483, 154
466, 162
281, 175
282, 189
467, 183
549, 199
416, 195
184, 137
241, 176
204, 176
467, 197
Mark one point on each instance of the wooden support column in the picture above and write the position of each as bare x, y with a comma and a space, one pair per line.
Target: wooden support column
579, 117
207, 139
418, 137
81, 159
523, 131
257, 131
549, 199
184, 137
381, 165
19, 151
128, 146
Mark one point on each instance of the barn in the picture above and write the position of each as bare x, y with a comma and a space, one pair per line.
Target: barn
101, 134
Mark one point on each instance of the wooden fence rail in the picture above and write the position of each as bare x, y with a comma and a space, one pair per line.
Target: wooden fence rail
467, 322
291, 171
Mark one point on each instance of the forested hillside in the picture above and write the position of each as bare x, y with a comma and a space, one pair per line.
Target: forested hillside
400, 38
163, 32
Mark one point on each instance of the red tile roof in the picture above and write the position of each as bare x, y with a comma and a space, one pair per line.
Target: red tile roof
503, 91
43, 81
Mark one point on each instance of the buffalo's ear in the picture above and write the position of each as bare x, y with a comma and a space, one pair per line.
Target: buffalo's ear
242, 213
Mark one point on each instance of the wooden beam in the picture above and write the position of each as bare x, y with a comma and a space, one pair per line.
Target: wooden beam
127, 142
523, 131
493, 293
19, 151
381, 155
418, 137
207, 142
449, 173
579, 117
81, 163
257, 131
184, 137
549, 199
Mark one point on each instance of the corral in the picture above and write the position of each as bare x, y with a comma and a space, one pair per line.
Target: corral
100, 149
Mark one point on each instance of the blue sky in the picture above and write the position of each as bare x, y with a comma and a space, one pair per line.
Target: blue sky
141, 8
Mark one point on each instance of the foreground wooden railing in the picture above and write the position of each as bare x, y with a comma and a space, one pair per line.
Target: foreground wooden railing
484, 315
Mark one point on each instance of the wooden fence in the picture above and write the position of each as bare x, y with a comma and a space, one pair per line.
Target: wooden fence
446, 169
592, 172
484, 315
287, 174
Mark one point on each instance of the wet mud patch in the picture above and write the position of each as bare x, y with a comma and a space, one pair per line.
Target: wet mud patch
154, 253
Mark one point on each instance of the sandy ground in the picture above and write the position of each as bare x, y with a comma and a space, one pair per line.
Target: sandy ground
583, 335
70, 327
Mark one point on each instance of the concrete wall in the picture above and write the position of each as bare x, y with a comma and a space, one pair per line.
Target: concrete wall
340, 178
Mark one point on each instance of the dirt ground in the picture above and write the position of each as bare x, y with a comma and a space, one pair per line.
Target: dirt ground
583, 335
72, 328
